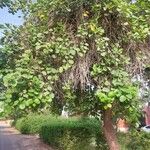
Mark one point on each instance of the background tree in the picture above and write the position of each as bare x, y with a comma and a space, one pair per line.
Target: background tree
82, 54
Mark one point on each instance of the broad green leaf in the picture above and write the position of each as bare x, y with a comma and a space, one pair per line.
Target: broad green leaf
73, 52
71, 62
22, 106
37, 101
61, 69
122, 98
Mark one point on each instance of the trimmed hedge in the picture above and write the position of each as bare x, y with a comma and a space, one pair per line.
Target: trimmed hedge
65, 134
32, 124
73, 134
77, 134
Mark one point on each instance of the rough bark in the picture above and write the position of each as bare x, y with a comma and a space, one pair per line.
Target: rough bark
109, 131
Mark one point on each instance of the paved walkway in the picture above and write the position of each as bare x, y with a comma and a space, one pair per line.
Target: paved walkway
11, 139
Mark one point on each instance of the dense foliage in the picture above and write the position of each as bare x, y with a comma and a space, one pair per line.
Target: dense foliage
63, 133
134, 140
73, 134
77, 133
138, 140
32, 123
80, 53
79, 44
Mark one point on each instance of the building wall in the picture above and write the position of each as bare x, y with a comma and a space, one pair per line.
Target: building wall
122, 125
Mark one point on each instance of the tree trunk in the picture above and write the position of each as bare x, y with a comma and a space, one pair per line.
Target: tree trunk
109, 131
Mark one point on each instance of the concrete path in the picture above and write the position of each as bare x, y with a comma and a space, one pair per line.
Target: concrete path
11, 139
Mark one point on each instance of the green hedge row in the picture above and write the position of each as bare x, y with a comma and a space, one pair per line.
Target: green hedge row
65, 134
32, 124
71, 134
77, 134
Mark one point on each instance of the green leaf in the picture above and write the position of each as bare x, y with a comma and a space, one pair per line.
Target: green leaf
44, 73
112, 94
81, 54
109, 105
61, 69
103, 54
38, 47
53, 56
129, 96
39, 35
37, 101
59, 39
105, 90
71, 62
22, 106
102, 97
73, 52
107, 83
122, 98
16, 103
52, 95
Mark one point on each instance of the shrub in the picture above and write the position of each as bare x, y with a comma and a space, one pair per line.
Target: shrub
139, 141
66, 134
76, 134
22, 125
134, 140
72, 134
31, 124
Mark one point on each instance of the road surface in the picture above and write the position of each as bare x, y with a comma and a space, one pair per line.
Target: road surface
11, 139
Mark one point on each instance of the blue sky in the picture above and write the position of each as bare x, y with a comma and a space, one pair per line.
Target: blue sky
6, 17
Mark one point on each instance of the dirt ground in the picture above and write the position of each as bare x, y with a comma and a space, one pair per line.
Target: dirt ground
11, 139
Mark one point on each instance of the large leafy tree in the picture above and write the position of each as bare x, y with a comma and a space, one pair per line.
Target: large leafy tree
82, 53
